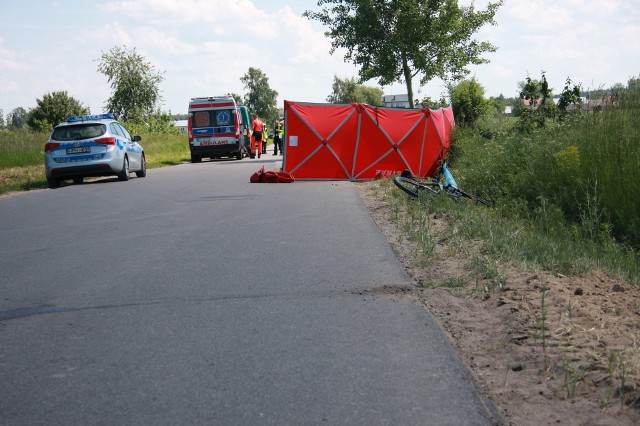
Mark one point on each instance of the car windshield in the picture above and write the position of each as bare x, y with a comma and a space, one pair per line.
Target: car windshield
78, 132
218, 117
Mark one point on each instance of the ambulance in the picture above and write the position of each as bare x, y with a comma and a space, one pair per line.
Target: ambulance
215, 128
247, 131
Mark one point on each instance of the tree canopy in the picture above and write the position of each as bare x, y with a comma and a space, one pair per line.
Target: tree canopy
396, 40
468, 101
17, 118
135, 84
52, 109
260, 97
348, 90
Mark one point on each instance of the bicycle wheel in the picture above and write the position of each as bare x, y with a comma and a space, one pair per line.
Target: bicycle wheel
414, 187
458, 193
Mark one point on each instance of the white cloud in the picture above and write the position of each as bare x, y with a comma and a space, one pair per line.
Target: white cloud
153, 38
10, 60
110, 34
539, 16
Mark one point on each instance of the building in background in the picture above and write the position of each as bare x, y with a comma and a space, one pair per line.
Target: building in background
181, 125
395, 101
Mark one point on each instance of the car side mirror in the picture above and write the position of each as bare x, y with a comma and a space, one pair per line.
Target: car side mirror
137, 138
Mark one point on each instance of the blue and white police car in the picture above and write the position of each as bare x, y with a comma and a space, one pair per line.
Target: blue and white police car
92, 145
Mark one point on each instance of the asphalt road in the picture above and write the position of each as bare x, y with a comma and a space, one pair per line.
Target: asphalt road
194, 297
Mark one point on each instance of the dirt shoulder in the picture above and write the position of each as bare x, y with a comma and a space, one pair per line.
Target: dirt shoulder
546, 349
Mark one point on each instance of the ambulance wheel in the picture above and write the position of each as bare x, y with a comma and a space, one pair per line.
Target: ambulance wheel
195, 158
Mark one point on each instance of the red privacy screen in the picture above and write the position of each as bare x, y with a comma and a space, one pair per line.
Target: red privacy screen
358, 141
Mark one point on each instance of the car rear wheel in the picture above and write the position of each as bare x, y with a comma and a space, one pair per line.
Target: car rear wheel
195, 158
53, 183
124, 174
143, 167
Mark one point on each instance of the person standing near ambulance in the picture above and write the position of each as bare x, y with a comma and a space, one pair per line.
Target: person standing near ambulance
258, 127
277, 137
264, 138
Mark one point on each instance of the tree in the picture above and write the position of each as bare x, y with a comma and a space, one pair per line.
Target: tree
395, 40
569, 98
236, 98
427, 102
370, 95
344, 91
159, 122
633, 85
348, 90
537, 104
260, 97
17, 118
1, 118
135, 84
468, 102
52, 109
498, 104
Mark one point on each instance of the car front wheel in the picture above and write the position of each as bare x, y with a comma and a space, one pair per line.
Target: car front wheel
124, 174
143, 168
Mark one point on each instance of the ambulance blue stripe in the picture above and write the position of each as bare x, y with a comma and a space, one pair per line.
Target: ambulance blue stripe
213, 130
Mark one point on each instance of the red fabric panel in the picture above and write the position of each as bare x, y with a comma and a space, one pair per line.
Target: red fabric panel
398, 136
324, 136
432, 146
448, 115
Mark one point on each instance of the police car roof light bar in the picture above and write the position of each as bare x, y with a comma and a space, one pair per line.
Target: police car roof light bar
74, 118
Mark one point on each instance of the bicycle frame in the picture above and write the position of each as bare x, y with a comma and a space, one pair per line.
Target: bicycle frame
414, 187
450, 182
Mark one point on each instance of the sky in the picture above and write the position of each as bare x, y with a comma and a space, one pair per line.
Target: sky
204, 47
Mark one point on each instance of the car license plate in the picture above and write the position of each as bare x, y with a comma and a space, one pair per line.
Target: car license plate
203, 140
79, 150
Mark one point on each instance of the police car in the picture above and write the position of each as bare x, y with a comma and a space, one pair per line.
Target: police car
92, 145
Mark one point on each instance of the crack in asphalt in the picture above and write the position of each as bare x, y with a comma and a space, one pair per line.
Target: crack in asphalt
53, 309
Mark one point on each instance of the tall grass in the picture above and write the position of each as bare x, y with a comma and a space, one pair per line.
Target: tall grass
510, 232
609, 147
165, 149
21, 148
587, 168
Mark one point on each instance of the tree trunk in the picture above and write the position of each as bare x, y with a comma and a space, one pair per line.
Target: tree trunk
407, 78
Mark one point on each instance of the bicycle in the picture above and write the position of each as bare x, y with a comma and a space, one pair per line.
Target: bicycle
412, 186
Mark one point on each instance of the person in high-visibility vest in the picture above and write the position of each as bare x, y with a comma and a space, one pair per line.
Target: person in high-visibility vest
258, 127
278, 136
265, 133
